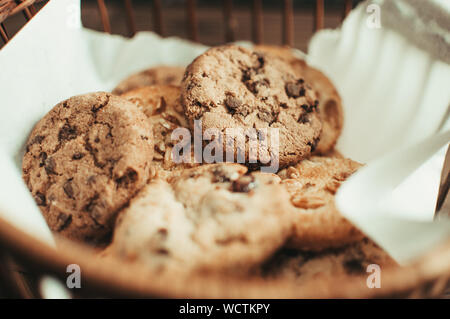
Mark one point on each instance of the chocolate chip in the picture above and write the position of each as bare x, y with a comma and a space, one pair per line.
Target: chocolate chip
163, 104
130, 177
77, 156
68, 189
91, 179
67, 132
245, 76
303, 118
50, 165
232, 103
302, 91
38, 139
354, 266
162, 232
192, 85
96, 108
171, 119
220, 176
255, 86
194, 175
199, 104
97, 140
253, 166
40, 199
185, 75
313, 147
266, 116
251, 86
261, 59
42, 157
162, 251
313, 144
308, 108
244, 184
64, 221
91, 203
292, 89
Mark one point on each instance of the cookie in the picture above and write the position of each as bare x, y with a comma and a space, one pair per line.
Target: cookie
312, 185
233, 87
215, 217
84, 161
349, 261
330, 103
161, 104
162, 74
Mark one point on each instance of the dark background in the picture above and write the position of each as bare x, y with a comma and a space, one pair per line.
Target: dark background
210, 16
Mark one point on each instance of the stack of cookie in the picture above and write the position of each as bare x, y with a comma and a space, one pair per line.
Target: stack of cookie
104, 168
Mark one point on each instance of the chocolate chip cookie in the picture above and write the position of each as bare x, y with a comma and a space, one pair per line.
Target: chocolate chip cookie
215, 217
161, 104
330, 103
312, 185
162, 74
351, 260
233, 87
85, 160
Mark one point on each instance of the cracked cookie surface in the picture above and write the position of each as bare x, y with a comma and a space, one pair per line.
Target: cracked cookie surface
84, 160
233, 87
312, 185
213, 217
330, 104
161, 104
163, 74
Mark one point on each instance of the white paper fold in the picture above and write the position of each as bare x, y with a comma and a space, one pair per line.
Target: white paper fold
363, 198
394, 95
394, 92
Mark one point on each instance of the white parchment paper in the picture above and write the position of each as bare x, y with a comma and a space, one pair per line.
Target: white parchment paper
394, 94
389, 62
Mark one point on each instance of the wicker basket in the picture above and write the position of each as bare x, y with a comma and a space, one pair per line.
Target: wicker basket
24, 260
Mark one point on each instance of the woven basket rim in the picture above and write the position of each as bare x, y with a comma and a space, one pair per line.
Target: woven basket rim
118, 278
